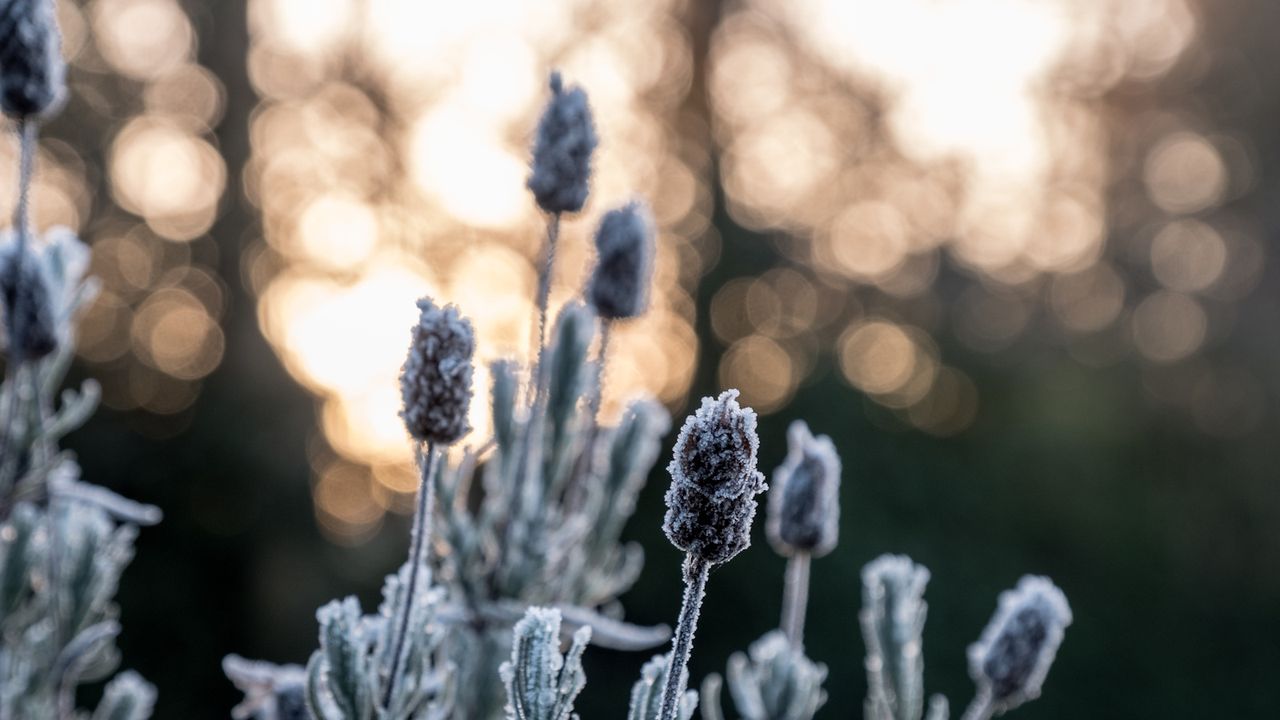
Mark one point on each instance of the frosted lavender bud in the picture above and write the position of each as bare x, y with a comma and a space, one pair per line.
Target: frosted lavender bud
562, 150
31, 65
29, 313
619, 285
804, 502
714, 481
435, 383
1013, 655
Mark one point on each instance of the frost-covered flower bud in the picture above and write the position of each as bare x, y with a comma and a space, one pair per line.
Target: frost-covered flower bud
31, 67
562, 150
714, 481
804, 500
435, 383
1013, 656
619, 285
29, 314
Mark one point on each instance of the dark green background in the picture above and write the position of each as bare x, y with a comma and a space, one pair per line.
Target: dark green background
1165, 540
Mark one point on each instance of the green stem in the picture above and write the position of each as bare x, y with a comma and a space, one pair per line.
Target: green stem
418, 548
695, 587
795, 598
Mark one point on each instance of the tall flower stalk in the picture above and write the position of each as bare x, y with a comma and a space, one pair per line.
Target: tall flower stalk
435, 387
804, 517
710, 506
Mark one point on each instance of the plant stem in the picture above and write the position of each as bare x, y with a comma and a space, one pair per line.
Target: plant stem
26, 166
21, 226
418, 547
544, 295
980, 708
795, 598
593, 407
695, 586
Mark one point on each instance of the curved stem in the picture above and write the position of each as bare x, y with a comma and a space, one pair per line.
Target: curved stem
418, 548
795, 598
695, 586
980, 708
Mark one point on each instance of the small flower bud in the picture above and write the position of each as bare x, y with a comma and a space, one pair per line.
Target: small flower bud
804, 502
435, 383
1013, 656
562, 150
619, 285
714, 481
28, 303
31, 67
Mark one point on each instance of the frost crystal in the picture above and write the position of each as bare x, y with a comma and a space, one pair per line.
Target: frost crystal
562, 150
435, 383
714, 481
624, 262
31, 65
804, 503
1014, 654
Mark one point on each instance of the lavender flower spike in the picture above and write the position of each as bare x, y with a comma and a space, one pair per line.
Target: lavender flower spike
711, 502
619, 285
710, 506
31, 67
27, 293
435, 383
1011, 659
562, 150
804, 503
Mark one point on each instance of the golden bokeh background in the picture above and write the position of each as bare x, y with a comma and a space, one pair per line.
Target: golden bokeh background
924, 170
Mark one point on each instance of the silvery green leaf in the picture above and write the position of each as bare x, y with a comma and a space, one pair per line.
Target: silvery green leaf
646, 694
541, 683
127, 697
776, 681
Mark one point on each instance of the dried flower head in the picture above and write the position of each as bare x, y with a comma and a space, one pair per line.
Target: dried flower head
714, 481
31, 67
30, 318
1013, 656
435, 383
804, 501
562, 150
619, 285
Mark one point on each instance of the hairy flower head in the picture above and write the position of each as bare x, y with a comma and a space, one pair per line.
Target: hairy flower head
1015, 651
804, 501
31, 67
619, 285
714, 481
435, 383
562, 150
29, 312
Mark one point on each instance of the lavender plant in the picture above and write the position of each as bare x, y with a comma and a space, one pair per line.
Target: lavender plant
532, 520
64, 543
533, 515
